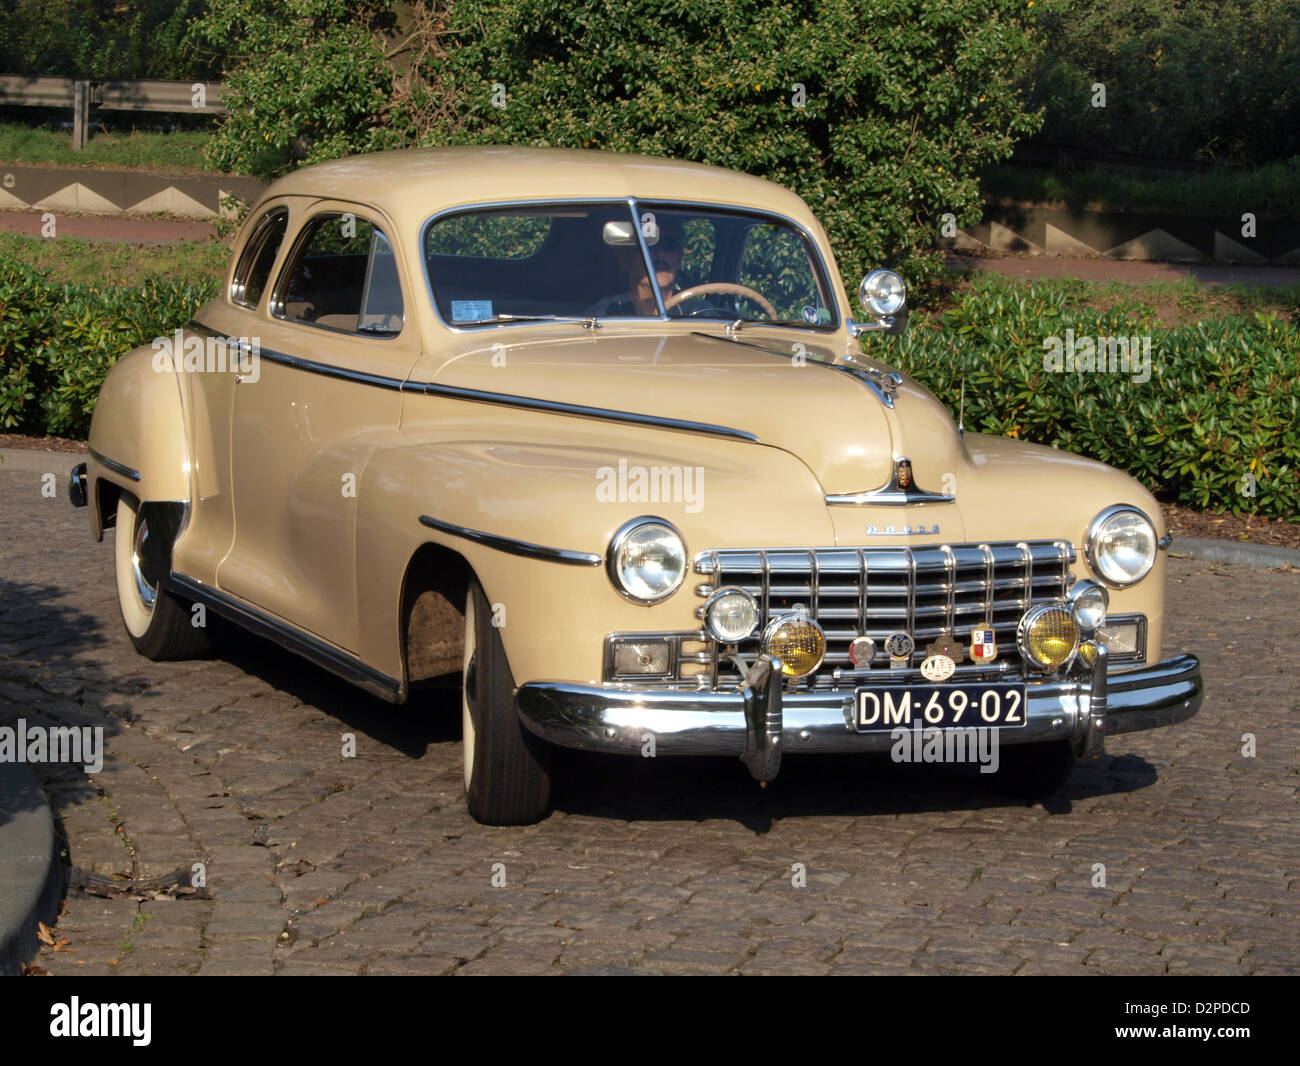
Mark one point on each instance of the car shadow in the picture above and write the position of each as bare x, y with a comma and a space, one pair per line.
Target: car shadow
630, 788
431, 715
670, 789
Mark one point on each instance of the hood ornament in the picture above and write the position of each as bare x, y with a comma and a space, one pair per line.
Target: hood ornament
899, 491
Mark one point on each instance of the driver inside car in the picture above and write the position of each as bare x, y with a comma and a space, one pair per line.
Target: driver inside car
666, 256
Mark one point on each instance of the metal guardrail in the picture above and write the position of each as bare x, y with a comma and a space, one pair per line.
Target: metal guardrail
80, 94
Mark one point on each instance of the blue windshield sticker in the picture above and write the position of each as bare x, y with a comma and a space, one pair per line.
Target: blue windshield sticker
470, 310
810, 315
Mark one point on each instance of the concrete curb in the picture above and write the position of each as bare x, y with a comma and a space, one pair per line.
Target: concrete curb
1219, 551
31, 876
1233, 551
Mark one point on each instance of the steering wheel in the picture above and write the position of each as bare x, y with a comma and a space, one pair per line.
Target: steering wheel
725, 287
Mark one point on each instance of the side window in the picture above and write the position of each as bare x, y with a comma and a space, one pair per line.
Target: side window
254, 269
344, 277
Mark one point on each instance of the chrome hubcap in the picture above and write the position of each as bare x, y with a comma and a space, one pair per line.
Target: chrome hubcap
144, 588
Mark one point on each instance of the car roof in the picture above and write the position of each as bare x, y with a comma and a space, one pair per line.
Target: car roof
413, 183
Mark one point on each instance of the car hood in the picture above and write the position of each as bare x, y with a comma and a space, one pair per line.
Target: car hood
834, 422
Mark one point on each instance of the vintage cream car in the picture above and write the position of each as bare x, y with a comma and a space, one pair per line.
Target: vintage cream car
597, 432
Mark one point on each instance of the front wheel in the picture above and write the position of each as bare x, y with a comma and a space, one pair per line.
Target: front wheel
507, 781
159, 624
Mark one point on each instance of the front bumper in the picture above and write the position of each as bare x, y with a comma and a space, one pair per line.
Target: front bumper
597, 718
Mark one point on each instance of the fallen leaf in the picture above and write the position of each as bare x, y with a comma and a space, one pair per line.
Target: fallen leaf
62, 945
43, 934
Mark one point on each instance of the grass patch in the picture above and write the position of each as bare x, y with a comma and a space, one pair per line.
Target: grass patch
1164, 303
74, 259
1273, 189
179, 152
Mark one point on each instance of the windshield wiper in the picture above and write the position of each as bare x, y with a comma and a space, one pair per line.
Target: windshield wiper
590, 321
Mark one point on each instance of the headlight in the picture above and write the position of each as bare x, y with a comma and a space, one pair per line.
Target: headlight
646, 560
882, 292
1088, 602
730, 615
1121, 545
1048, 636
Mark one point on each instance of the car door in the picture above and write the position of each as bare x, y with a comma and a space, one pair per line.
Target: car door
338, 343
209, 393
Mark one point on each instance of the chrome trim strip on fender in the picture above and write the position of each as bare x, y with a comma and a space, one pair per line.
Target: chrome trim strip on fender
478, 396
325, 655
115, 466
514, 547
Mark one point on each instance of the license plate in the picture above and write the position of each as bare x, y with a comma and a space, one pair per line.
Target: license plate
940, 707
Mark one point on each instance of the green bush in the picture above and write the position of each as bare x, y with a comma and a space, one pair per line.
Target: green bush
1222, 402
57, 342
879, 114
902, 100
1183, 78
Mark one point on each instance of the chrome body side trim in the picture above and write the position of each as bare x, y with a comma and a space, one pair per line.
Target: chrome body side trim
512, 546
616, 720
478, 396
115, 466
325, 655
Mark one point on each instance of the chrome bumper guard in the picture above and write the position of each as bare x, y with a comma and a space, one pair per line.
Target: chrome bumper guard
760, 721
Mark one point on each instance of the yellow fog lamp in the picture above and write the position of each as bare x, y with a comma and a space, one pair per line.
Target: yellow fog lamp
1088, 652
798, 642
1048, 636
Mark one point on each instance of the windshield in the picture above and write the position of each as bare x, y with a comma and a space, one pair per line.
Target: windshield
564, 261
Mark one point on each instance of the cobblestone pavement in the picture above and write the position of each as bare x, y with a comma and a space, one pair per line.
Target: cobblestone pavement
319, 864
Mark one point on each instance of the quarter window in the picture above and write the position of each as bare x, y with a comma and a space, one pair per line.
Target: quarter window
344, 276
254, 269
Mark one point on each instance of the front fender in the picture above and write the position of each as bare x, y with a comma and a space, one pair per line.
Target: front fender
556, 483
138, 440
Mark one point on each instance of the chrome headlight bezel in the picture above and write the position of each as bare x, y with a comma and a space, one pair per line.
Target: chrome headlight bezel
712, 601
879, 290
618, 542
1098, 526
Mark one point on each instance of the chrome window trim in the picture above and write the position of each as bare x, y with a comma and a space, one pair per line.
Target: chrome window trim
511, 546
275, 306
632, 203
251, 250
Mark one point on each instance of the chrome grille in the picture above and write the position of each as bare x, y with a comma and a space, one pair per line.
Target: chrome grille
924, 591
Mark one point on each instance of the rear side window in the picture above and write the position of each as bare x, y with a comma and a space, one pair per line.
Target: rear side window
254, 269
343, 276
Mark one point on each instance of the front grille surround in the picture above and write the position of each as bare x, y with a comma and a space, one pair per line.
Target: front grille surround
925, 591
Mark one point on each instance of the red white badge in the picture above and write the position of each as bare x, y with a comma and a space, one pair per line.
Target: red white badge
983, 645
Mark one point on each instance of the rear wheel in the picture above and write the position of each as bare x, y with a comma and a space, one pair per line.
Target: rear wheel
158, 623
507, 780
1033, 771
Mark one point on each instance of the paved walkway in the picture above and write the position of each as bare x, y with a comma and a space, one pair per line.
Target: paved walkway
317, 864
108, 227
